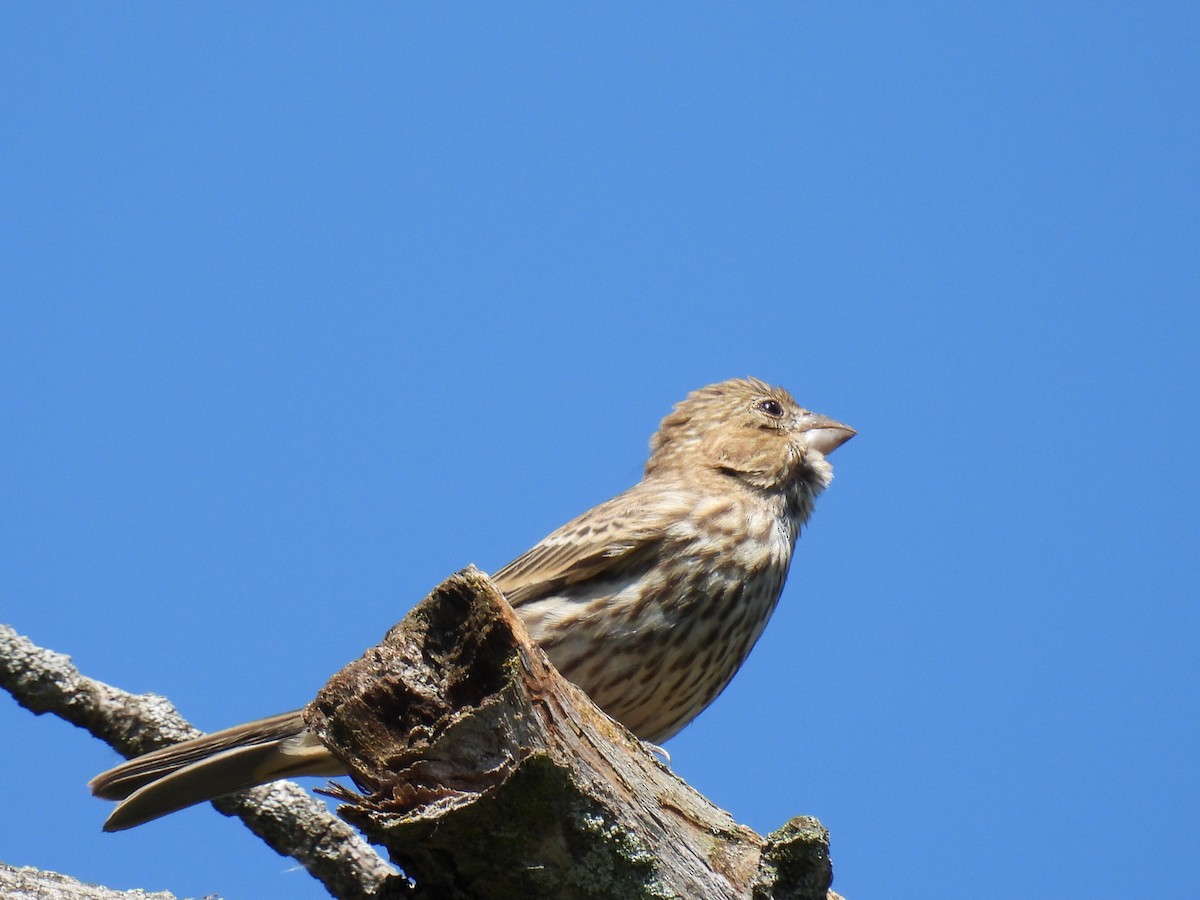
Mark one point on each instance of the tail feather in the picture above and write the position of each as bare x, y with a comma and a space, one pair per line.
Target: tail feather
211, 766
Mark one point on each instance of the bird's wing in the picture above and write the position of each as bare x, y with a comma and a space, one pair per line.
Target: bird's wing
614, 537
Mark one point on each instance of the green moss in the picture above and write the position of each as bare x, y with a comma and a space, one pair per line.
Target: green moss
539, 840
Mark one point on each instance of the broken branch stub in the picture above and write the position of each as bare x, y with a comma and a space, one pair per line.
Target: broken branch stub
487, 775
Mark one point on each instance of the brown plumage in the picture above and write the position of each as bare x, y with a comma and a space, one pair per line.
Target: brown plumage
649, 602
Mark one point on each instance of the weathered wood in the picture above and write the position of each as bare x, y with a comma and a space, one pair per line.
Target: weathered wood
285, 816
486, 775
35, 884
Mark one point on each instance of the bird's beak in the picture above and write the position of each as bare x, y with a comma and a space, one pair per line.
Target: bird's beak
822, 434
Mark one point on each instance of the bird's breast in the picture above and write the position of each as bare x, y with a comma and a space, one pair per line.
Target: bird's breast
656, 646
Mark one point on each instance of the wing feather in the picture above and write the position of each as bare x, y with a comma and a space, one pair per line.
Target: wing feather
617, 535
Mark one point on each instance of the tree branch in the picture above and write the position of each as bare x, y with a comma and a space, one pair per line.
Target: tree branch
284, 815
33, 883
484, 773
487, 775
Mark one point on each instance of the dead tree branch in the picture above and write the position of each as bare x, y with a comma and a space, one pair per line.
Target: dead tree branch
488, 775
482, 771
284, 815
34, 884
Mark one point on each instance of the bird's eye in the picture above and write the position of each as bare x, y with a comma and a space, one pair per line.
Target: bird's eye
772, 408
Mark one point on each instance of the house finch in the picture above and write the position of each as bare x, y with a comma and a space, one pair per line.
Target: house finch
649, 602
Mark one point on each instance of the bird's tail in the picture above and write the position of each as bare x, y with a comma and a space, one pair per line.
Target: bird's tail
211, 766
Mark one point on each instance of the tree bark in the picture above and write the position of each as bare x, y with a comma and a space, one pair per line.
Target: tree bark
34, 884
483, 772
284, 815
487, 775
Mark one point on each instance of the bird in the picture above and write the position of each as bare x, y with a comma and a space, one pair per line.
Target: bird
650, 602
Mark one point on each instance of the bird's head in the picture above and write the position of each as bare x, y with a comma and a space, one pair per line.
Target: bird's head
750, 430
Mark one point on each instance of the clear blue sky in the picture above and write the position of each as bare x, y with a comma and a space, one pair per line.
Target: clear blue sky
304, 309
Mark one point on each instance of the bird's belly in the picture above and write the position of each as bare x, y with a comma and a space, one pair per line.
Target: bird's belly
647, 658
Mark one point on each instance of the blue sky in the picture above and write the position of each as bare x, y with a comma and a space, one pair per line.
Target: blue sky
305, 309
